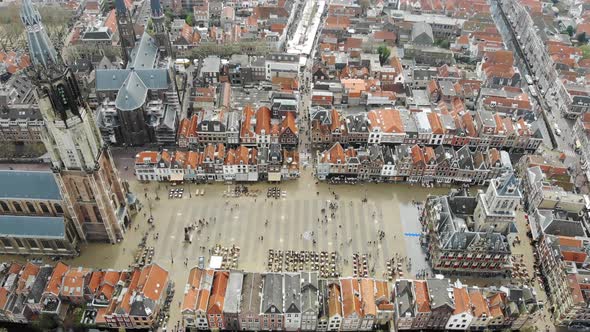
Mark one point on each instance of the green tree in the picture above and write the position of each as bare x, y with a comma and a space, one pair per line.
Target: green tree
46, 322
384, 53
189, 19
570, 30
585, 51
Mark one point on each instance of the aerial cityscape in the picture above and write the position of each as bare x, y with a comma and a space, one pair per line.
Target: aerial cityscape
295, 165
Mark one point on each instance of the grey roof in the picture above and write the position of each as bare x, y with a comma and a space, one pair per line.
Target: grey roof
233, 292
251, 287
132, 94
169, 119
113, 79
438, 289
323, 311
38, 286
29, 185
144, 54
272, 294
420, 28
20, 112
142, 306
40, 47
309, 292
120, 6
404, 298
211, 64
292, 298
32, 227
140, 76
508, 185
556, 222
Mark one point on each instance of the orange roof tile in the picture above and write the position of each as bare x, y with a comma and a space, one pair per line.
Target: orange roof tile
479, 304
289, 122
368, 297
217, 299
462, 302
422, 297
191, 290
334, 299
435, 123
389, 120
30, 271
3, 297
153, 281
55, 281
495, 303
351, 303
205, 290
263, 120
417, 155
146, 156
74, 281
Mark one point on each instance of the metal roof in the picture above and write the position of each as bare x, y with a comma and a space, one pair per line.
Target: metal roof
29, 185
32, 227
132, 94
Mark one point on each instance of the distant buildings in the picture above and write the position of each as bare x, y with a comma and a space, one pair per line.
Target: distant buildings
411, 163
216, 163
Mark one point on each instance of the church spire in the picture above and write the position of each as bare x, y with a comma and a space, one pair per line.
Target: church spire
156, 8
41, 49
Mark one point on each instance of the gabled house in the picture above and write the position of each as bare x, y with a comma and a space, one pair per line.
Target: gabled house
334, 306
352, 313
310, 301
271, 310
217, 300
462, 313
292, 301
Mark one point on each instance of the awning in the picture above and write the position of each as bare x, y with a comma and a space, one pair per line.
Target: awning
274, 177
177, 177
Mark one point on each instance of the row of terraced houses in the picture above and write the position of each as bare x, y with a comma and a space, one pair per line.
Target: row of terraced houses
129, 299
248, 301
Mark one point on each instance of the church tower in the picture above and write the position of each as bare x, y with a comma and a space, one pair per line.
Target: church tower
159, 26
126, 31
82, 163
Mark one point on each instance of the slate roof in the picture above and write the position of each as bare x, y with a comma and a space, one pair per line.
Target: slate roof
292, 298
250, 302
29, 226
140, 76
29, 185
439, 293
404, 298
309, 292
272, 295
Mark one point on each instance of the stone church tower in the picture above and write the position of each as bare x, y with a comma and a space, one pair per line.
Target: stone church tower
83, 165
126, 31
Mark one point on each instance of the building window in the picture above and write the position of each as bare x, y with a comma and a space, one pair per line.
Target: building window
58, 208
6, 243
4, 206
30, 207
17, 207
46, 244
44, 208
33, 244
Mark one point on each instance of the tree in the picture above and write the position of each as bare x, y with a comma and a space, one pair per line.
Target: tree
570, 30
384, 53
585, 51
189, 19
